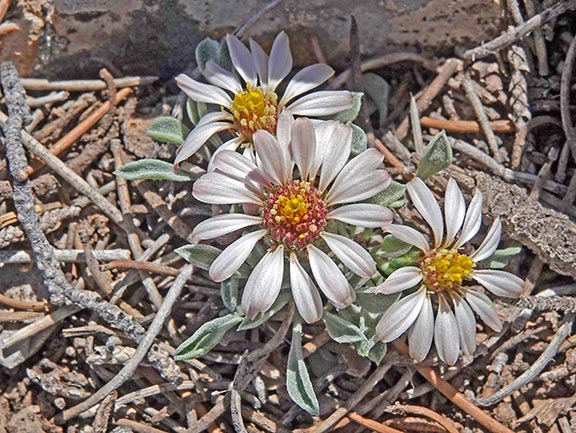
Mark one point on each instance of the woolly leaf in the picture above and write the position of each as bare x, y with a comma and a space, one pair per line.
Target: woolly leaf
341, 330
168, 130
154, 169
207, 50
359, 140
351, 114
436, 157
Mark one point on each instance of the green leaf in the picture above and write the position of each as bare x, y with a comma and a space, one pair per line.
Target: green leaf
195, 110
298, 381
351, 114
229, 293
376, 303
363, 347
391, 247
359, 140
206, 337
207, 50
199, 255
390, 195
154, 169
377, 352
168, 130
436, 157
378, 89
225, 60
341, 330
500, 258
260, 318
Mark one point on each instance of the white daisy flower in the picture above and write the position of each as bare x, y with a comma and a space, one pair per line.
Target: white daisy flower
251, 102
444, 268
300, 182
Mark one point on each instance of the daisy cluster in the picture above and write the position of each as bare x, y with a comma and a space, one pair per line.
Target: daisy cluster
302, 203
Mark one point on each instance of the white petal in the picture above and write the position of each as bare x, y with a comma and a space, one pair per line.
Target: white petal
303, 145
424, 201
501, 283
220, 77
280, 63
399, 280
490, 242
284, 128
306, 79
232, 145
329, 278
322, 103
197, 137
446, 338
421, 334
242, 60
473, 219
454, 210
323, 131
484, 307
271, 156
221, 225
409, 235
264, 283
362, 214
352, 255
234, 255
216, 188
239, 167
306, 295
336, 152
215, 116
260, 59
400, 316
201, 92
466, 325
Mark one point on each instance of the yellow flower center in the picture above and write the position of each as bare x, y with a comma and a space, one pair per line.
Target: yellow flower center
294, 213
254, 109
445, 269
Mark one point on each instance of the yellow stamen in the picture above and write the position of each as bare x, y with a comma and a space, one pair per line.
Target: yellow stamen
446, 269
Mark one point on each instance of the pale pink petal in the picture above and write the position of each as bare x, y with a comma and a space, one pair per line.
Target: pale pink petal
230, 145
421, 334
424, 201
304, 80
215, 116
490, 242
322, 103
446, 338
197, 137
323, 132
454, 210
264, 283
271, 156
484, 307
216, 188
473, 219
221, 225
260, 59
234, 255
501, 283
239, 167
409, 235
284, 128
400, 316
362, 214
280, 63
336, 152
303, 145
306, 295
352, 255
329, 278
201, 92
242, 60
466, 325
401, 279
220, 77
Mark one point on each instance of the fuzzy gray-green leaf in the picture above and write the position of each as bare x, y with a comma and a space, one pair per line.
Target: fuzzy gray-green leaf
351, 114
167, 130
206, 337
298, 380
207, 50
378, 89
260, 318
359, 141
390, 195
153, 169
341, 330
436, 157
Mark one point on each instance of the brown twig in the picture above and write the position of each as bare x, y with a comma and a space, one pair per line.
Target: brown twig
519, 32
565, 90
424, 411
4, 6
144, 266
466, 126
366, 422
23, 305
71, 137
434, 88
84, 85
